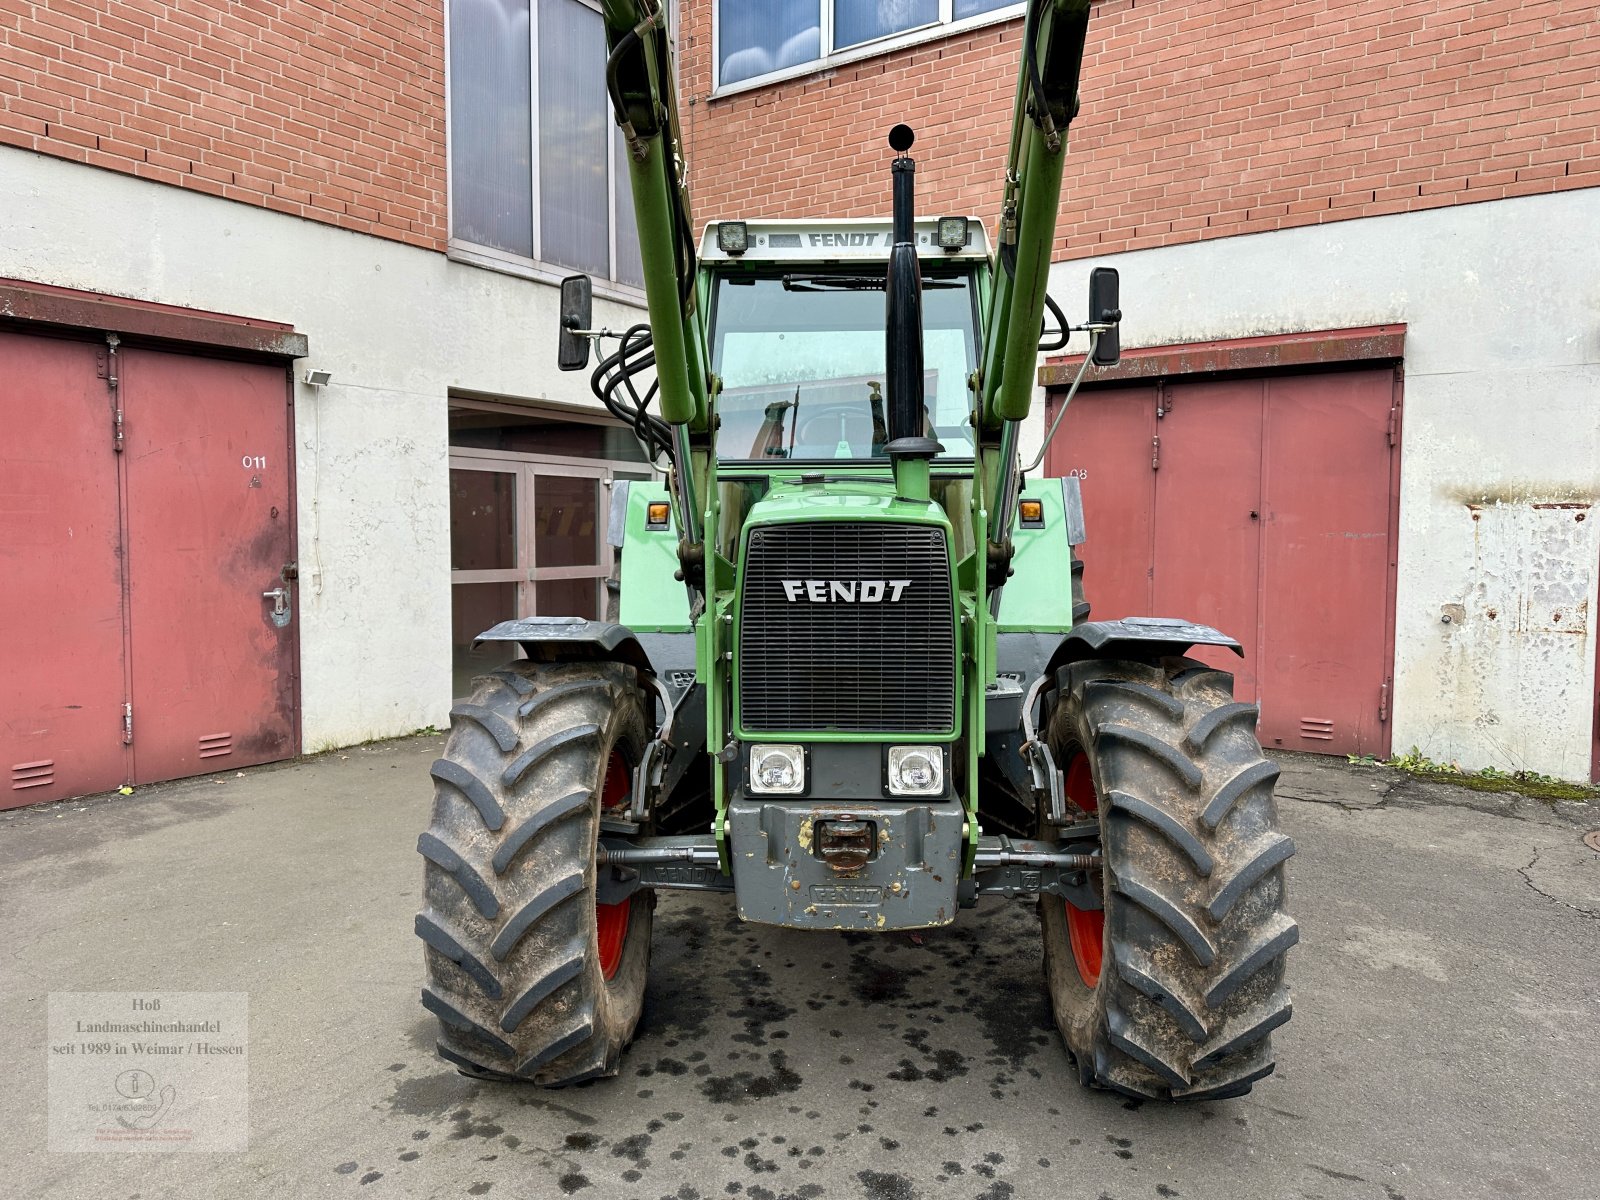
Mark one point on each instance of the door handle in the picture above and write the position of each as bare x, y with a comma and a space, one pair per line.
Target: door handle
280, 605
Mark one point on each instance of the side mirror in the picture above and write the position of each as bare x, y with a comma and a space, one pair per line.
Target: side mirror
1105, 308
577, 310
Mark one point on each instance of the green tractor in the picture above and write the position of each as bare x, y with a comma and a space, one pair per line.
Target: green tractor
850, 678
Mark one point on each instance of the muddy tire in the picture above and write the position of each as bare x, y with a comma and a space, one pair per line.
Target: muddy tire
1176, 992
1080, 603
529, 978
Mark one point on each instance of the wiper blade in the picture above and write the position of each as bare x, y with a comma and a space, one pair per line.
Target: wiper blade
853, 283
829, 283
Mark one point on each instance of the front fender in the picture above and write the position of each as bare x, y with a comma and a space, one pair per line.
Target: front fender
571, 639
1136, 638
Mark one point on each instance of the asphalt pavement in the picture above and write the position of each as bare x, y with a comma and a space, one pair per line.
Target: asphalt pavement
1444, 1041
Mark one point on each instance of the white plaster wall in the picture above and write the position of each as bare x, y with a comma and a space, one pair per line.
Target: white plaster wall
397, 326
1502, 418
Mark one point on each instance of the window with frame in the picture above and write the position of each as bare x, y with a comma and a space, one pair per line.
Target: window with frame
536, 163
762, 39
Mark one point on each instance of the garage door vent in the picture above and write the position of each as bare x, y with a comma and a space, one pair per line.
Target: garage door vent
34, 774
1317, 728
215, 745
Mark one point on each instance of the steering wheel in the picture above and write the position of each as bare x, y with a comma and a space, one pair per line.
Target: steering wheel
821, 431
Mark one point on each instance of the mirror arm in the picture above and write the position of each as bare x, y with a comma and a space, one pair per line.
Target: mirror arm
1095, 329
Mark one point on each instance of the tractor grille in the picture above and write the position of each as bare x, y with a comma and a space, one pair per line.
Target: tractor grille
849, 662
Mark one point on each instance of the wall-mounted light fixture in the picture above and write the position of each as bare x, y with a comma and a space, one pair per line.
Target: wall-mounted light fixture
315, 377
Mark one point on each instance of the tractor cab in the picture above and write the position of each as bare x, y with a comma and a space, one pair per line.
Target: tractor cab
795, 327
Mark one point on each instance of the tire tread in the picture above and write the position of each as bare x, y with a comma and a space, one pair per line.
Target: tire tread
1192, 986
507, 919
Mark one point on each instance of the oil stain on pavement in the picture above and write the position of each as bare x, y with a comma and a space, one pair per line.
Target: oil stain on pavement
779, 1065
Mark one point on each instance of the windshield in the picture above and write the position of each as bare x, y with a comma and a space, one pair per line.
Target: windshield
801, 358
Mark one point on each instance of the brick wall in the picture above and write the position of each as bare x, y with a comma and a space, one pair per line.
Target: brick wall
328, 109
1198, 121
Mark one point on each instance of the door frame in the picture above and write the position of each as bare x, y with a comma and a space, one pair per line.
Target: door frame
1313, 352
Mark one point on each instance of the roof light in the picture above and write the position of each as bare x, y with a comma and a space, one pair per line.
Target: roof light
733, 237
952, 233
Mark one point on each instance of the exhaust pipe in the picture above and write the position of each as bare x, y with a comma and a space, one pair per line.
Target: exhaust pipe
910, 449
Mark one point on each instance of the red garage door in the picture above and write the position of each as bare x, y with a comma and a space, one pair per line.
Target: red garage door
1264, 506
136, 639
62, 660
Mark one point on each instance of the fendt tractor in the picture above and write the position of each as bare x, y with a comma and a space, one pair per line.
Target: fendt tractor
848, 676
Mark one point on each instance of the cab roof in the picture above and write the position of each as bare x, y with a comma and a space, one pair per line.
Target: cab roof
852, 239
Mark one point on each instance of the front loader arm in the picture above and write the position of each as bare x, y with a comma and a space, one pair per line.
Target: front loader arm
639, 80
1046, 102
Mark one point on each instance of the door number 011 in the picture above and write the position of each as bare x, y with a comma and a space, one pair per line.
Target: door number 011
253, 462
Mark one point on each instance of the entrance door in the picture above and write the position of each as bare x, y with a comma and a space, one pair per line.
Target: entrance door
210, 546
1261, 506
62, 687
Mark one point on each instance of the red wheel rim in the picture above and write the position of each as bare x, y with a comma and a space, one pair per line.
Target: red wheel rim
1086, 928
611, 920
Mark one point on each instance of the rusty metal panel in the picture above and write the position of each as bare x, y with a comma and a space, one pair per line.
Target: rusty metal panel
61, 647
1522, 625
1107, 441
1207, 548
1326, 562
209, 536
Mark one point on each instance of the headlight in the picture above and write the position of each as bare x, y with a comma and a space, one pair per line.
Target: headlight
916, 771
778, 770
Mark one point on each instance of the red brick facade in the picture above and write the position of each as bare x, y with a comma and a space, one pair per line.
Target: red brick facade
328, 109
1198, 121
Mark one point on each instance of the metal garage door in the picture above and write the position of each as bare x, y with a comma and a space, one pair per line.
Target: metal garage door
137, 641
62, 660
1264, 506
